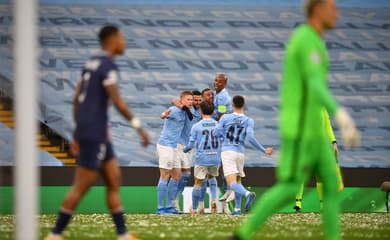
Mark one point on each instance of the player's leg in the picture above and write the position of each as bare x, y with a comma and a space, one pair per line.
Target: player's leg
213, 172
320, 192
173, 184
233, 162
111, 175
339, 177
237, 201
165, 157
203, 190
298, 198
293, 169
199, 176
85, 175
225, 189
185, 177
186, 163
82, 181
326, 171
274, 199
213, 184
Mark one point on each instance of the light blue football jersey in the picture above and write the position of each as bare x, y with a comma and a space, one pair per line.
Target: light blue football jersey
234, 128
173, 127
208, 146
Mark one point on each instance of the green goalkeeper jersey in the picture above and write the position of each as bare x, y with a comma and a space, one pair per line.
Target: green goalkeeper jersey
304, 91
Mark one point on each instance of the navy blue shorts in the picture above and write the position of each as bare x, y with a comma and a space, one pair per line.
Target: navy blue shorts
93, 154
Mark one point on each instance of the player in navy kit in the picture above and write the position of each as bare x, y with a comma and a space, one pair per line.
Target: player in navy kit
97, 87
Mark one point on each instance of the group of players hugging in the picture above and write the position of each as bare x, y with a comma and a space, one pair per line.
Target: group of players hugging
217, 127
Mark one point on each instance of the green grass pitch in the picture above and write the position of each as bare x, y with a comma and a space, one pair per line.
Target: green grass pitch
150, 226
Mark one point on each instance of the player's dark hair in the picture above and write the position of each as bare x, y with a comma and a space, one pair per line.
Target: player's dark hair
196, 93
107, 32
185, 93
207, 108
238, 101
205, 90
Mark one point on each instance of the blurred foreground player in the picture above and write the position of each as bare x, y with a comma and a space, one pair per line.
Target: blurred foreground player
304, 148
97, 87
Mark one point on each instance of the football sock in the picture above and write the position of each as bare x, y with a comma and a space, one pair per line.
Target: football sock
172, 190
238, 188
196, 192
237, 201
185, 176
203, 191
320, 191
119, 221
161, 192
213, 188
298, 197
63, 219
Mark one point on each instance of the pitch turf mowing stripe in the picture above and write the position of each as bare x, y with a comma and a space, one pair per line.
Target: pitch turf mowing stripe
211, 227
144, 200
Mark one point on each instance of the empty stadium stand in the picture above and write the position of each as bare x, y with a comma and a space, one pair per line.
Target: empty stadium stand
179, 46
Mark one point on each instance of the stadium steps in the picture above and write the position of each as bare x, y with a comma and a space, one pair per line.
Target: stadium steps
44, 144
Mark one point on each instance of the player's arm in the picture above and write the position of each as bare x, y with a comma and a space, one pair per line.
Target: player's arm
165, 114
312, 69
252, 139
177, 103
222, 109
311, 61
192, 141
112, 90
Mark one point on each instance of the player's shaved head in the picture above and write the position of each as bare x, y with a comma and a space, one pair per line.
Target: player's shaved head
207, 108
220, 82
238, 101
221, 76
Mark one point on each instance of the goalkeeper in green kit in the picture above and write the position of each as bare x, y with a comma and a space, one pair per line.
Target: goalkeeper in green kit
305, 148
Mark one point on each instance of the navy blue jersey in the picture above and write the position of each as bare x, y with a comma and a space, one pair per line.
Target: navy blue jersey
93, 101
